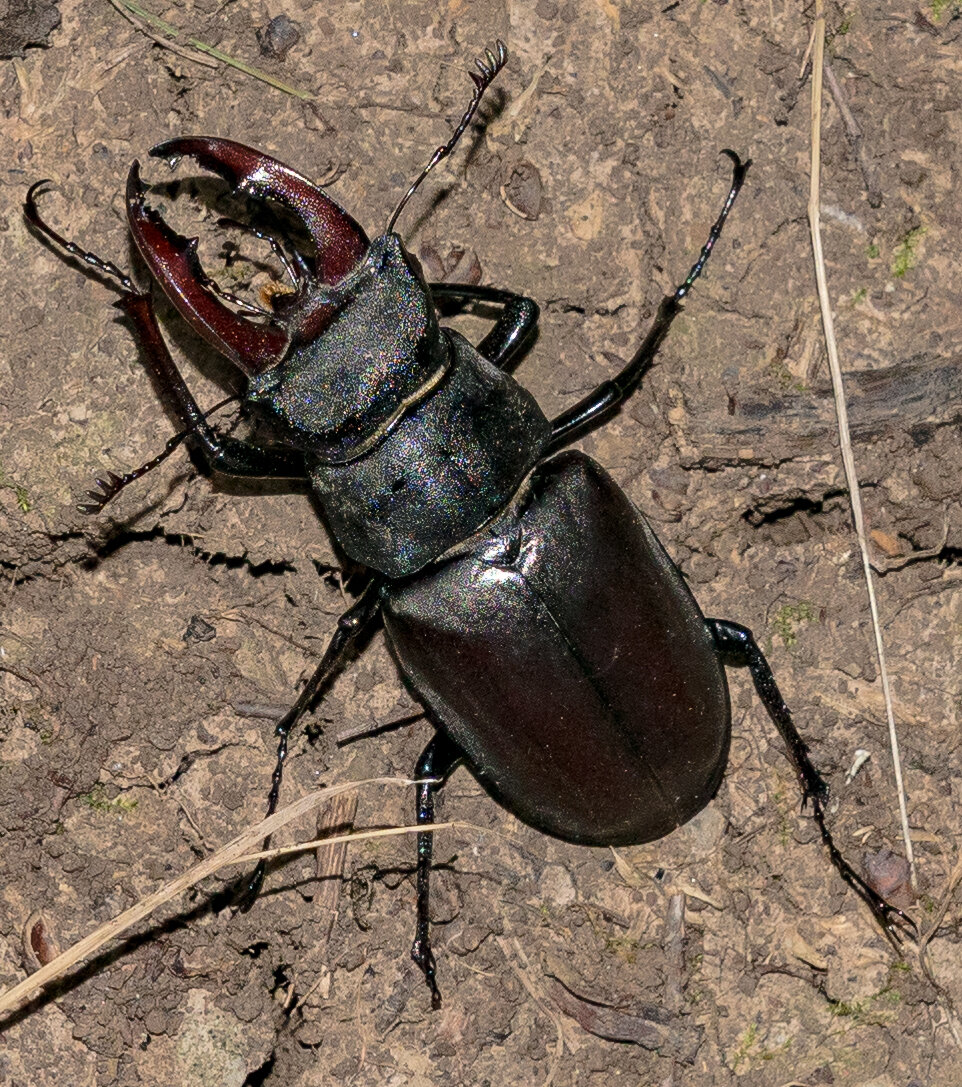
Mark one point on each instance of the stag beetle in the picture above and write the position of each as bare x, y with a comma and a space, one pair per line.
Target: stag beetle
528, 603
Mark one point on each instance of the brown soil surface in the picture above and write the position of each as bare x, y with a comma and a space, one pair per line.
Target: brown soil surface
128, 752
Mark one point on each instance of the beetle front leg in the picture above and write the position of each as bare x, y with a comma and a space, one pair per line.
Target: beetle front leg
226, 455
737, 646
513, 328
437, 762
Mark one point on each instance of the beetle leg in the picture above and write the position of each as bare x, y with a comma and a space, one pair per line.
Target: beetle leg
737, 646
229, 456
101, 267
351, 625
610, 394
437, 762
296, 269
514, 327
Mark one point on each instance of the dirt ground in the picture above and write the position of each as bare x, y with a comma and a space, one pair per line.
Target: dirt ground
131, 746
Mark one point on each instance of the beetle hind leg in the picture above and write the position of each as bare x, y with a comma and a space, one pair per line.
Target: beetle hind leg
737, 646
435, 766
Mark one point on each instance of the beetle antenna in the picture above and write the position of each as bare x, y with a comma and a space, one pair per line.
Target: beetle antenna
489, 68
104, 267
113, 484
292, 271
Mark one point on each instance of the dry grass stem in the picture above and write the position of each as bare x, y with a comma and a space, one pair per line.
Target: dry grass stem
234, 852
167, 35
845, 441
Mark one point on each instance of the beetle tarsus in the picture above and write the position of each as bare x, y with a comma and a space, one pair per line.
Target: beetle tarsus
295, 272
434, 767
738, 179
103, 267
423, 957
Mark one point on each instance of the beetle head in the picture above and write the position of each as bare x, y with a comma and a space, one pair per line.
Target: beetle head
337, 361
338, 394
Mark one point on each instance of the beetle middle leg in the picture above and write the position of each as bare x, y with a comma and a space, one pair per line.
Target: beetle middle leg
350, 627
435, 766
737, 646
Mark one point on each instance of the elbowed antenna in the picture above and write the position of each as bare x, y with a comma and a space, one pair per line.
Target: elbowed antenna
105, 268
489, 68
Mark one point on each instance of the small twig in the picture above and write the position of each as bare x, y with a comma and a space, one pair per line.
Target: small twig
142, 20
807, 56
194, 49
855, 137
674, 945
328, 871
244, 617
845, 441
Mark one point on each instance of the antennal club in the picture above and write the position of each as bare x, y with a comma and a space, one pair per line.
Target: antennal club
489, 68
